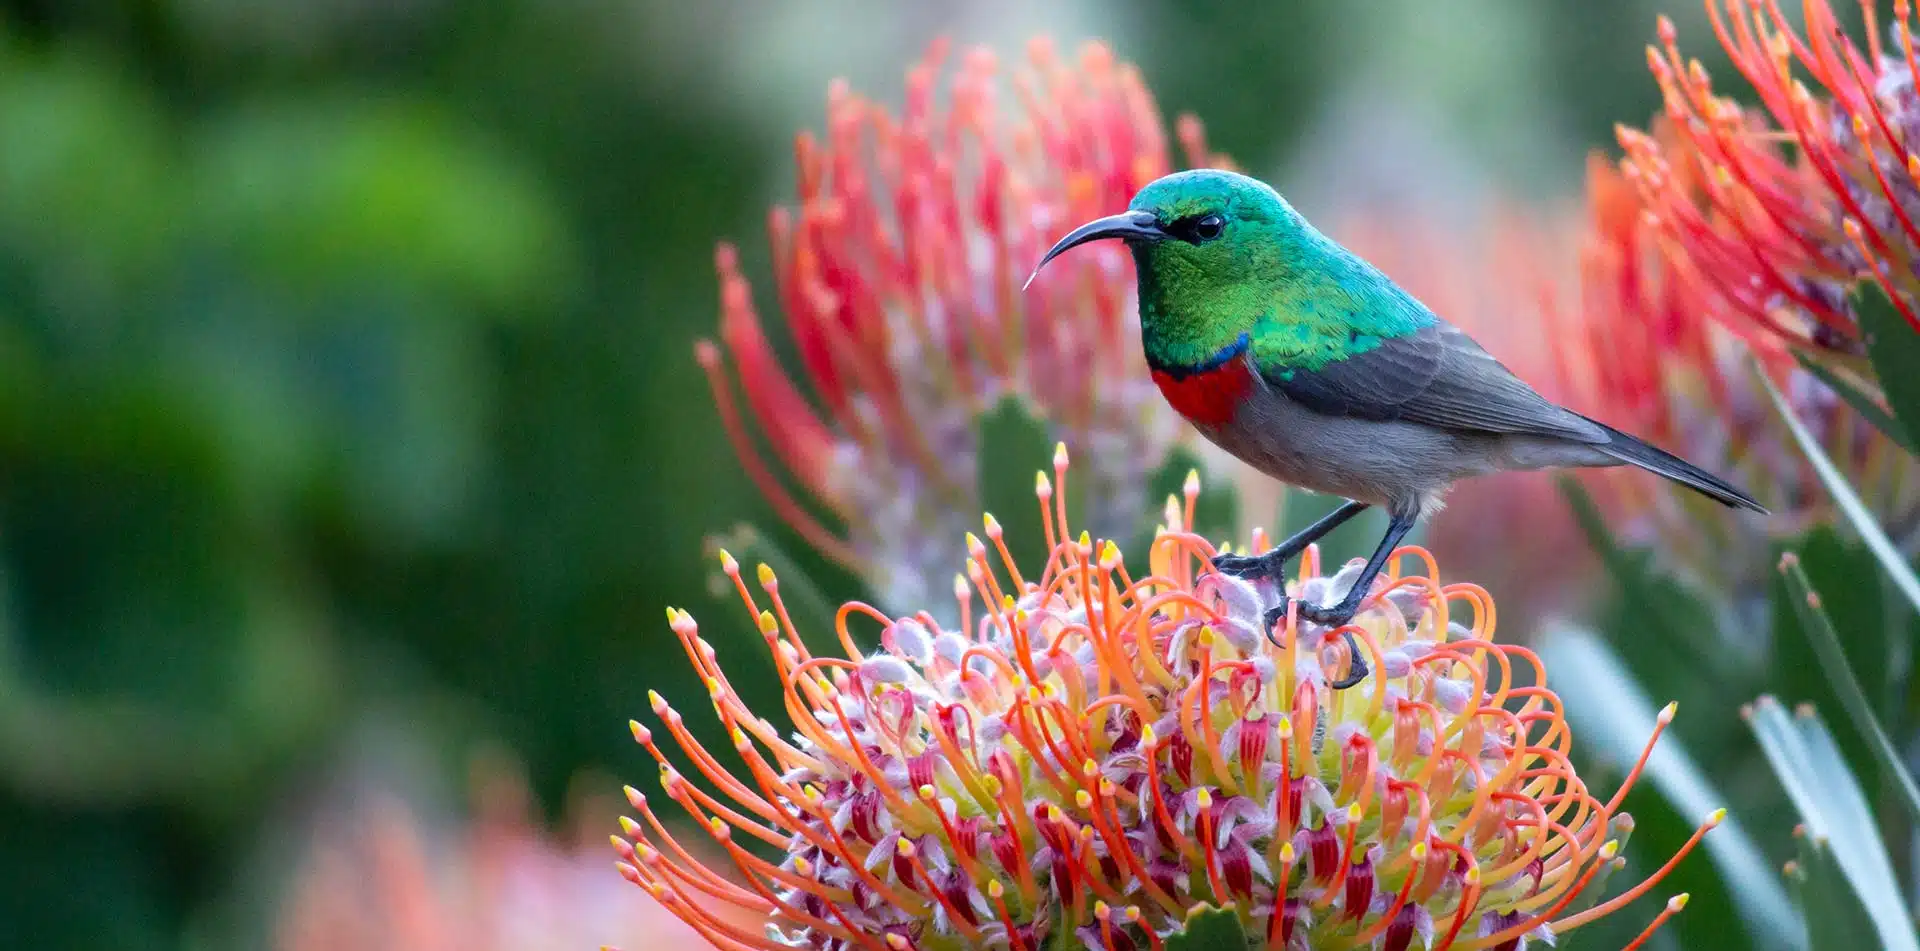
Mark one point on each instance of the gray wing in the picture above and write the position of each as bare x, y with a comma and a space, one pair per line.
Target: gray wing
1437, 377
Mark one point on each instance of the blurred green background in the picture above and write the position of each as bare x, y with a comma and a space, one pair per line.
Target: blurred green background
347, 408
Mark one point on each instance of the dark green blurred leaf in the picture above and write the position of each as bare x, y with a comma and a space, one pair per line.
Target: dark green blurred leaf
1666, 635
1833, 914
1862, 402
1210, 929
1014, 445
1894, 348
1879, 760
1798, 674
1855, 511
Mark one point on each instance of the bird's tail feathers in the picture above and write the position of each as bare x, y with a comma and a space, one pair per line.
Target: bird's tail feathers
1658, 461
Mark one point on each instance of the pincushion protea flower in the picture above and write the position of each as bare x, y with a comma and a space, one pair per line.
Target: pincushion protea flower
383, 880
899, 279
1089, 753
1772, 217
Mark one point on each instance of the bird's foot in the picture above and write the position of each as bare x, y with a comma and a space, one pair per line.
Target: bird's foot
1334, 616
1247, 567
1330, 615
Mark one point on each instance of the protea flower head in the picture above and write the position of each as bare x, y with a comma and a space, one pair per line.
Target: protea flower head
380, 877
898, 277
1772, 217
1091, 752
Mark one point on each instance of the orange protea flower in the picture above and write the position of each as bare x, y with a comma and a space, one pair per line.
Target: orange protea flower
1772, 218
899, 278
1638, 354
379, 879
1091, 752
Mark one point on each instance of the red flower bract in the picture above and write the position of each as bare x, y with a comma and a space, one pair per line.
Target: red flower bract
900, 275
1774, 217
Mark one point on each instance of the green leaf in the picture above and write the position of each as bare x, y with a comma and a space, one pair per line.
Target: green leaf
1735, 888
1848, 501
1894, 348
1209, 928
1808, 764
1666, 633
1014, 444
1216, 515
1849, 579
1833, 660
1862, 402
1835, 920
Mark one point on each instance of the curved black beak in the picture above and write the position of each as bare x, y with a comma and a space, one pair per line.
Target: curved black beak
1128, 226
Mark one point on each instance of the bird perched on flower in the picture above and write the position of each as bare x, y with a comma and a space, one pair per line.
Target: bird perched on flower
1290, 352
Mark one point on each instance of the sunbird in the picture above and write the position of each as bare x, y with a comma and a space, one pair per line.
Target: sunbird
1292, 353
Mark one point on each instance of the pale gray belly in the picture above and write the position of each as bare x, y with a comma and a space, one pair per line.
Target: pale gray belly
1402, 466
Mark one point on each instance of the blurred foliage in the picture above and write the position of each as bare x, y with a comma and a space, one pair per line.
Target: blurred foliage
344, 368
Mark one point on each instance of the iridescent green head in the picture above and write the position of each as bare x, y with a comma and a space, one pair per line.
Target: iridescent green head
1213, 251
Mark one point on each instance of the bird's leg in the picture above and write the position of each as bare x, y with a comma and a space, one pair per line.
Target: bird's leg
1342, 612
1273, 562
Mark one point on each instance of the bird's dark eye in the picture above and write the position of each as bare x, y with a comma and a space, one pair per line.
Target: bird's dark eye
1209, 227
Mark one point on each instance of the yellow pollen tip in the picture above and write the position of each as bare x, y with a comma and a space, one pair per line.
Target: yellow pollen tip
1192, 485
1716, 817
896, 942
991, 784
629, 826
647, 853
1147, 736
1609, 850
1418, 852
904, 847
1101, 911
1667, 712
1109, 551
1287, 855
1678, 902
656, 701
740, 739
960, 587
719, 828
673, 615
1203, 798
1205, 637
1089, 768
810, 792
927, 792
1060, 455
974, 547
1054, 814
1285, 729
1042, 487
714, 689
1473, 876
1083, 799
765, 572
995, 890
1355, 813
640, 733
1086, 539
1086, 833
992, 524
802, 867
768, 623
1006, 602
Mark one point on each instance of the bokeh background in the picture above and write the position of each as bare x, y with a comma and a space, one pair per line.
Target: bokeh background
349, 426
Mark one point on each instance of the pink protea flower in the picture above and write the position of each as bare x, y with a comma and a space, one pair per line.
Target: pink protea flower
898, 278
379, 879
1090, 752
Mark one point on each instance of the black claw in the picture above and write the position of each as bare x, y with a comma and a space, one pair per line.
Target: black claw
1274, 616
1357, 669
